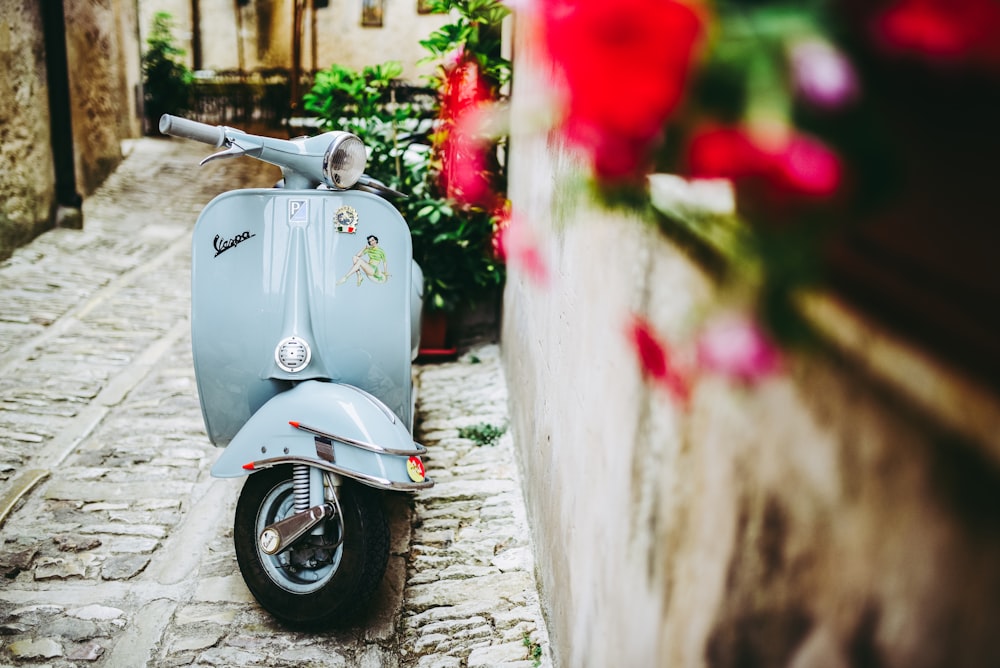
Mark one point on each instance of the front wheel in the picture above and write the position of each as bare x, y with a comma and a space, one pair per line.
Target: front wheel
321, 580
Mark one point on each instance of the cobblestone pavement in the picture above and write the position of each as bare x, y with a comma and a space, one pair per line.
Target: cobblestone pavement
116, 544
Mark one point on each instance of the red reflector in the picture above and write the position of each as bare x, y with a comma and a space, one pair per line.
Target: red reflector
294, 423
248, 467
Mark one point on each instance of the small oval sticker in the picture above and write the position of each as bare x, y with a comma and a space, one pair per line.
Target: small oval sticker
415, 469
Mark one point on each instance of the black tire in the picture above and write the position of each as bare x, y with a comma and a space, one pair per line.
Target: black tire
311, 585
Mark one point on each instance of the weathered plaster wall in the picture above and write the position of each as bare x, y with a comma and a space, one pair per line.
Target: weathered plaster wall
101, 98
818, 519
27, 180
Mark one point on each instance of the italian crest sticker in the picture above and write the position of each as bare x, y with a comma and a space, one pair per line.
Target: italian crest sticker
415, 469
346, 219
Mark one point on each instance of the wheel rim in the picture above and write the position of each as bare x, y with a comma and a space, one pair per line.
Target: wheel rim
306, 566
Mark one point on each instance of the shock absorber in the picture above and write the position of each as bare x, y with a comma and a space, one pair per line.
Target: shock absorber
300, 481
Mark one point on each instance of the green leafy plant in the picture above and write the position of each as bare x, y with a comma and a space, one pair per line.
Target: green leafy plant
453, 244
475, 32
166, 81
483, 433
363, 102
456, 239
534, 649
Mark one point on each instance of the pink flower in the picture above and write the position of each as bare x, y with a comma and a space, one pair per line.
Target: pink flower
805, 167
454, 58
655, 359
736, 346
822, 75
514, 243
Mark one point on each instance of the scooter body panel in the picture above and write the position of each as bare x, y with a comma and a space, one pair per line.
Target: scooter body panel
296, 266
327, 408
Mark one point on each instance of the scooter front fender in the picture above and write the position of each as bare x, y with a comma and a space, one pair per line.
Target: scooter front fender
333, 426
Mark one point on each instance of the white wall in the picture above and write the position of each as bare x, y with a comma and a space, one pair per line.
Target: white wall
843, 513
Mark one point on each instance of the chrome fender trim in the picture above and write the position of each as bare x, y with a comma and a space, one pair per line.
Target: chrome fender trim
370, 480
418, 449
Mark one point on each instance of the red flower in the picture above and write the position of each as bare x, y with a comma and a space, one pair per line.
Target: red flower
655, 359
625, 66
946, 30
774, 178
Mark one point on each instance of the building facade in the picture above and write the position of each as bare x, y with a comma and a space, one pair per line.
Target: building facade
262, 35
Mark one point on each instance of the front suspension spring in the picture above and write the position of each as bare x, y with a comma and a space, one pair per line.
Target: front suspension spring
300, 480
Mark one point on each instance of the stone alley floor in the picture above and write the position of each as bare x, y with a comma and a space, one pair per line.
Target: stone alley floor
116, 543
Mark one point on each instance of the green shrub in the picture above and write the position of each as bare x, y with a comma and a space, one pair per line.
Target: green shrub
166, 81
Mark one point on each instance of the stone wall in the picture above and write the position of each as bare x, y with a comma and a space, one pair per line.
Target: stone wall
103, 62
844, 513
102, 52
27, 180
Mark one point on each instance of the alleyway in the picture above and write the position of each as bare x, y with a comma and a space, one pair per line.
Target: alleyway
115, 543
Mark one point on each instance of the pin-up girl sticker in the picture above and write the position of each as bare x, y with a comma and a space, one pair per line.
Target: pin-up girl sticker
370, 261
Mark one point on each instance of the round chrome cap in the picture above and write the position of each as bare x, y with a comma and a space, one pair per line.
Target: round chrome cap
292, 354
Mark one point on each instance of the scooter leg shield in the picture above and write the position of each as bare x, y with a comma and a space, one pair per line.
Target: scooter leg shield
339, 427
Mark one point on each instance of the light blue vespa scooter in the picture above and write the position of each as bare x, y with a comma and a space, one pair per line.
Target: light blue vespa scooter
304, 324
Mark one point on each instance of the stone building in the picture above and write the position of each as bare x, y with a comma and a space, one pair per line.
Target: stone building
255, 35
68, 96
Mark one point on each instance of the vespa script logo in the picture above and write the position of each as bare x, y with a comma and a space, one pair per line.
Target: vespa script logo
222, 245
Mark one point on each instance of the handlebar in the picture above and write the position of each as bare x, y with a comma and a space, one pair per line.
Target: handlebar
182, 127
305, 162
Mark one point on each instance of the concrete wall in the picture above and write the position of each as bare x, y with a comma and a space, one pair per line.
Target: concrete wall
844, 513
333, 34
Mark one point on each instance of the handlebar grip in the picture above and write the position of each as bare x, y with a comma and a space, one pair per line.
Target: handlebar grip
182, 127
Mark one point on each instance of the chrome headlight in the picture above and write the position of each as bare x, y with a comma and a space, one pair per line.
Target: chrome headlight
344, 161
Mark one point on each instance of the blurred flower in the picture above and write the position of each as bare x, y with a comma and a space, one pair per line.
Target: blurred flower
655, 358
514, 243
625, 66
946, 30
805, 166
736, 346
822, 75
466, 174
774, 174
453, 58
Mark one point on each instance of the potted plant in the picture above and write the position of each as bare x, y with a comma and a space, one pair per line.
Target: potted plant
454, 233
452, 242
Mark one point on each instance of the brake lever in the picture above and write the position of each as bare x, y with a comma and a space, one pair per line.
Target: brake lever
232, 152
380, 188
